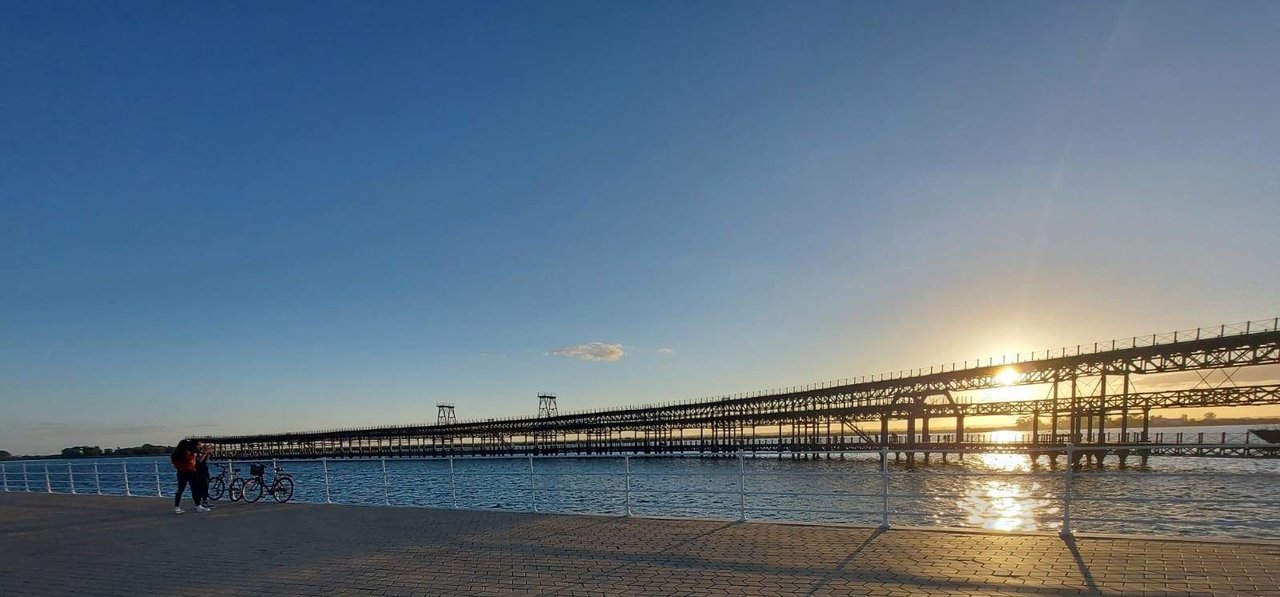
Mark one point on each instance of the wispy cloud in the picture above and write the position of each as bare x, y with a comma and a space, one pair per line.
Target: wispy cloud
591, 351
666, 351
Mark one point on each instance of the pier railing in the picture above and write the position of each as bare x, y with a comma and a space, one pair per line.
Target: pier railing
882, 491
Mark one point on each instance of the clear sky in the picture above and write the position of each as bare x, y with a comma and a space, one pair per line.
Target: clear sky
240, 217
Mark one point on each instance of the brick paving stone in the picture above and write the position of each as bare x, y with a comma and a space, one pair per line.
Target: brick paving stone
98, 545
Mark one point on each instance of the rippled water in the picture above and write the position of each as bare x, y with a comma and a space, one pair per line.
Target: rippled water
1001, 492
1180, 496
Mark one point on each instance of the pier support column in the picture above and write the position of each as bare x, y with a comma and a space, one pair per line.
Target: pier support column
884, 439
960, 436
1124, 411
911, 439
1053, 415
1102, 410
924, 434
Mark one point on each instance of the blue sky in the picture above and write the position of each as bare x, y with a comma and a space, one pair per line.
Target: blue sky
241, 217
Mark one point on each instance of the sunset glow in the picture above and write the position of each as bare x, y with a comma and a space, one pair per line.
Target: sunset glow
1007, 377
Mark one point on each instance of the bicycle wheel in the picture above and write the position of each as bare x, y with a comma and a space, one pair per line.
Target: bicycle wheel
252, 490
216, 488
282, 489
236, 490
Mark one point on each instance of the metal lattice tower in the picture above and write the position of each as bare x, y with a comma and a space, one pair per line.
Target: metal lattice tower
547, 405
445, 414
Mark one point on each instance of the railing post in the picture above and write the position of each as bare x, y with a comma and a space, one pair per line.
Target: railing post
453, 484
742, 487
26, 481
48, 486
4, 474
124, 467
533, 493
97, 483
1066, 493
626, 463
884, 487
324, 462
386, 499
71, 478
159, 491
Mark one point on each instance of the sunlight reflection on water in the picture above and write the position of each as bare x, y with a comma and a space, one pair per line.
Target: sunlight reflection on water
1000, 492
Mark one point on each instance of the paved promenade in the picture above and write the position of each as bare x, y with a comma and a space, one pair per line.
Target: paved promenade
62, 545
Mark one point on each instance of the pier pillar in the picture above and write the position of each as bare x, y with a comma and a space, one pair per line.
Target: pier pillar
1102, 425
1053, 415
1146, 427
1124, 411
924, 434
1035, 428
1073, 420
911, 439
960, 436
1102, 409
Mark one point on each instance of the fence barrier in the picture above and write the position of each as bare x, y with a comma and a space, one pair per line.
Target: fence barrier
885, 504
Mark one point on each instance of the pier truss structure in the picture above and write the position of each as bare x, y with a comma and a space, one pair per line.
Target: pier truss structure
1086, 388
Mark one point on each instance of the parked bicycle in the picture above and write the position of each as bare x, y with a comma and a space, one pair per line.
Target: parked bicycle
280, 487
219, 484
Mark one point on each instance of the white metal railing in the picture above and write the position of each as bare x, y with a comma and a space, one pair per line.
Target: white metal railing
881, 503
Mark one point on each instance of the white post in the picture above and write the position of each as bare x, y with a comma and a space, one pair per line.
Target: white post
71, 478
97, 483
4, 474
533, 495
742, 487
1066, 494
48, 487
386, 500
124, 466
626, 463
325, 463
884, 487
26, 481
159, 492
453, 485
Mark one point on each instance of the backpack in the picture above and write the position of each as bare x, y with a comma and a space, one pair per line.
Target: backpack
178, 458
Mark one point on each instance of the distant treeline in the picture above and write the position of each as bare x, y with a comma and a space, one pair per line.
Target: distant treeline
96, 452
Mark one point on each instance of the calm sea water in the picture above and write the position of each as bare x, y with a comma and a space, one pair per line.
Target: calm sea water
1171, 496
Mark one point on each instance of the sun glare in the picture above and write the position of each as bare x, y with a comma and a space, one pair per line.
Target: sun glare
1004, 436
1006, 377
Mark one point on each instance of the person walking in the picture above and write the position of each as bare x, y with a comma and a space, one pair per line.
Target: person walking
183, 459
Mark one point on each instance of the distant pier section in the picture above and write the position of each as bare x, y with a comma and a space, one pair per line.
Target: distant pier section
1086, 388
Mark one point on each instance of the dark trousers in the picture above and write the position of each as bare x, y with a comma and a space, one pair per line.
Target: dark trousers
201, 483
184, 479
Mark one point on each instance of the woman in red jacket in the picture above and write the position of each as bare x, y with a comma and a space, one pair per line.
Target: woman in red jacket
184, 461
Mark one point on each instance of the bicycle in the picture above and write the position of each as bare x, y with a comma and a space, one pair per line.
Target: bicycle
280, 488
219, 484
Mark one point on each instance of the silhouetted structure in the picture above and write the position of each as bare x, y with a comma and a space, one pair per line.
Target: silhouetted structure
1086, 384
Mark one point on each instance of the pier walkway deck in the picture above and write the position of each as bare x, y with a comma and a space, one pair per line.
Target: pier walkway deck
62, 545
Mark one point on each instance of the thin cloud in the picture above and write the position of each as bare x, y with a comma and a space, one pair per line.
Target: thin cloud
666, 351
591, 351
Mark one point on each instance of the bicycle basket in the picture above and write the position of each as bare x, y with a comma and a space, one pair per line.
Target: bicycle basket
257, 469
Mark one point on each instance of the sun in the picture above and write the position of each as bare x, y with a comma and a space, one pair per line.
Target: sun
1004, 436
1007, 377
